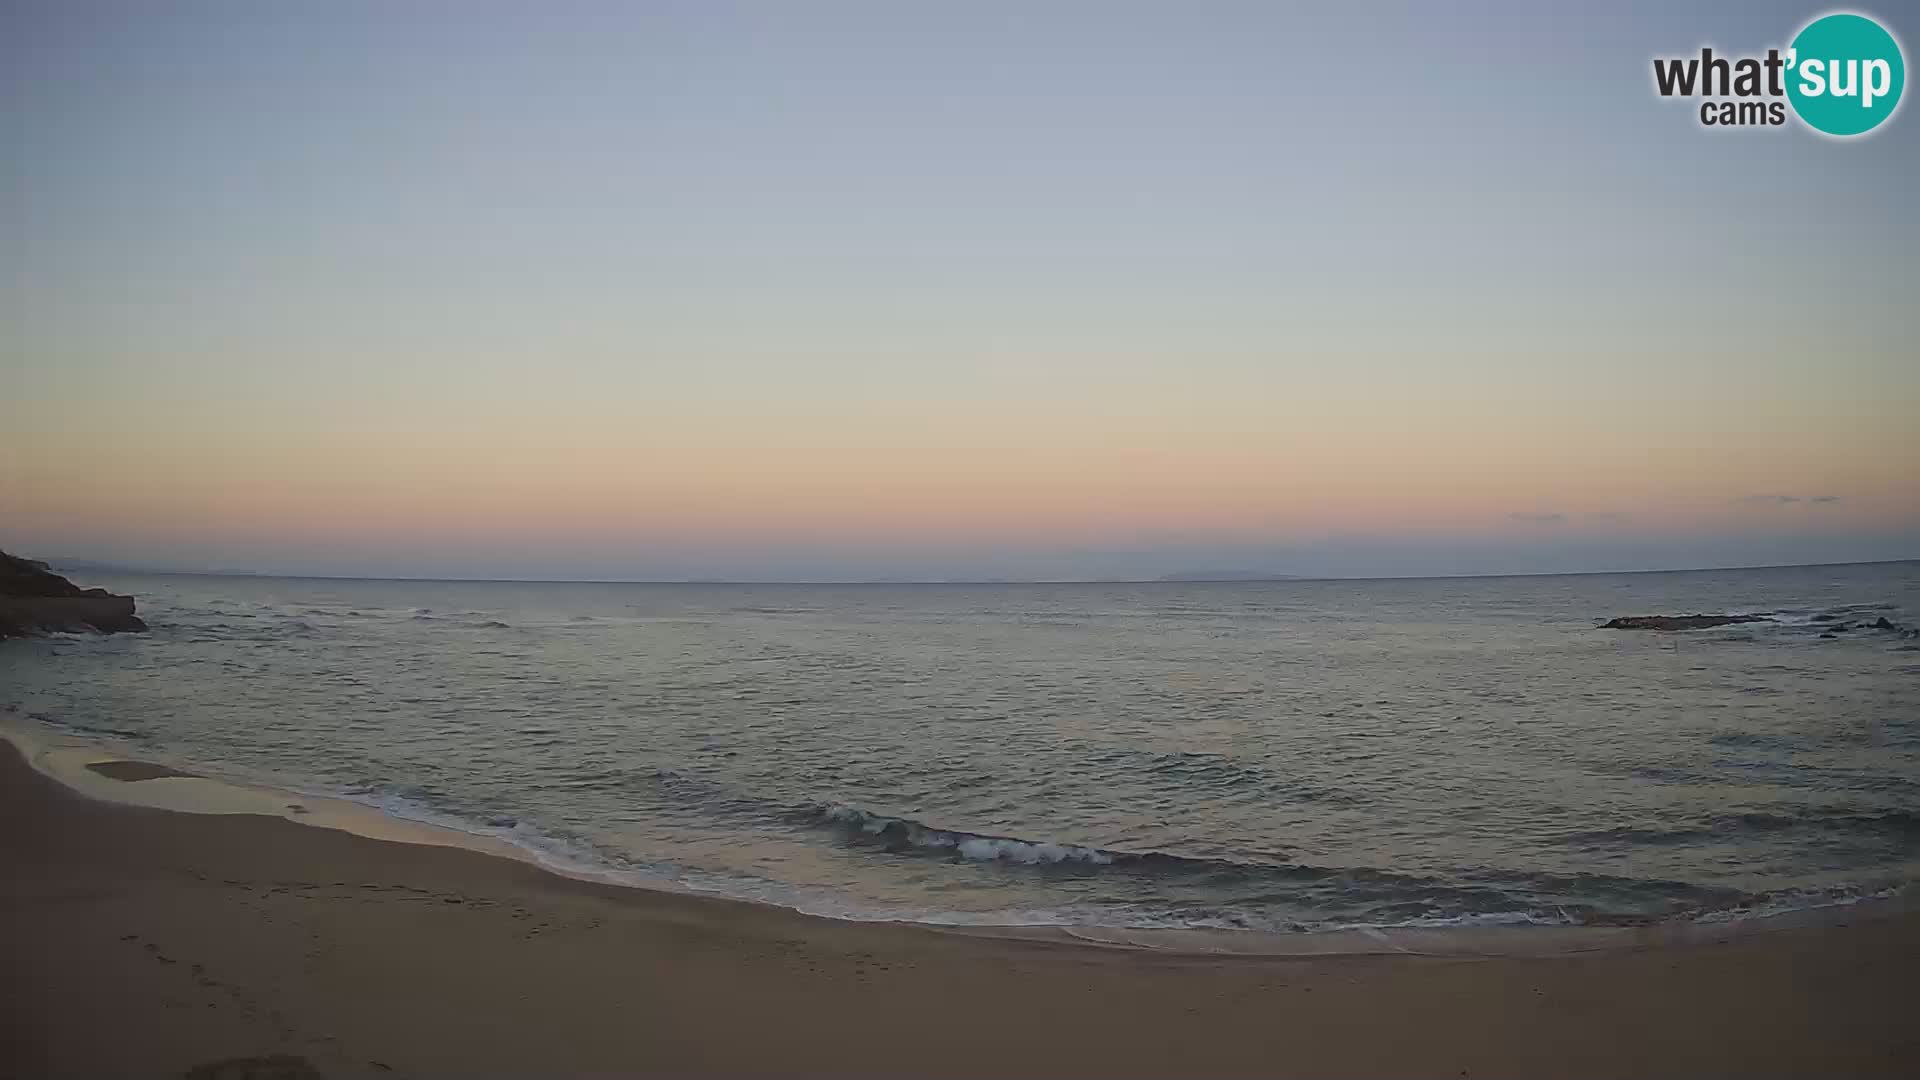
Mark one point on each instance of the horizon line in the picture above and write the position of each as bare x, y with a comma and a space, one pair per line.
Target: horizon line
81, 565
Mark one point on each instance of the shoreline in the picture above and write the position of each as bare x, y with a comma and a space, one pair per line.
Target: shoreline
86, 766
216, 937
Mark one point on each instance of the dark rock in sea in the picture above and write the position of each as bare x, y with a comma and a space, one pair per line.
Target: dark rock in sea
1883, 623
1679, 622
897, 837
35, 600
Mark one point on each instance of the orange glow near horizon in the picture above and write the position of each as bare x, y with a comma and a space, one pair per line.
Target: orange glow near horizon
1045, 481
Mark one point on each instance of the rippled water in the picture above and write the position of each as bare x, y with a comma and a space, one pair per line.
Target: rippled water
1296, 754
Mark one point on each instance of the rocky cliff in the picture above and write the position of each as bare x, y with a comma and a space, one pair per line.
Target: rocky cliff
35, 600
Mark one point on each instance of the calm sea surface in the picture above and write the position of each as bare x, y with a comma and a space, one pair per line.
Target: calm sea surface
1278, 756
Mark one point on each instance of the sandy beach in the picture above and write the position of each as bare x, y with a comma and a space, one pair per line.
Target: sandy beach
146, 942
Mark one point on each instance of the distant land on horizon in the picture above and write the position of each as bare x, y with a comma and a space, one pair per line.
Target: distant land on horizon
1228, 575
1191, 577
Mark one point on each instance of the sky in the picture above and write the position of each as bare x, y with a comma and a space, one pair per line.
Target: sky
833, 291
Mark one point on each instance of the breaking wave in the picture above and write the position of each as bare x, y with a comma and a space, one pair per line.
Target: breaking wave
1347, 896
903, 835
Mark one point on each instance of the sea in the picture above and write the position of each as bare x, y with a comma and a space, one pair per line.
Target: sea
1278, 756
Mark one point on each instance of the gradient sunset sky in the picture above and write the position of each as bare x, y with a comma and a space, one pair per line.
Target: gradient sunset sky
847, 291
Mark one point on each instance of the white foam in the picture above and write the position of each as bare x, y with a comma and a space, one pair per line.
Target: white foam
1798, 901
65, 758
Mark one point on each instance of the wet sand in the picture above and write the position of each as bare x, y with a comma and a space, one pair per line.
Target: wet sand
147, 942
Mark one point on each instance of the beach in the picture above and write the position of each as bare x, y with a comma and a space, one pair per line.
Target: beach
909, 540
147, 942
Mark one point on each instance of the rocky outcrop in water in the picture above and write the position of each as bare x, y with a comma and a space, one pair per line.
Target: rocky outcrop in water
1830, 625
1882, 623
35, 600
1679, 622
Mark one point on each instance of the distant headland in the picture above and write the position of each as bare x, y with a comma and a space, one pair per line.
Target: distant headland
34, 600
1228, 575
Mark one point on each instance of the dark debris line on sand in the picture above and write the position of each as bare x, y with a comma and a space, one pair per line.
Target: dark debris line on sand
135, 771
272, 1067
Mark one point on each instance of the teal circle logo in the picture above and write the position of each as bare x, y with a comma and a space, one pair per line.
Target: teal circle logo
1844, 74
